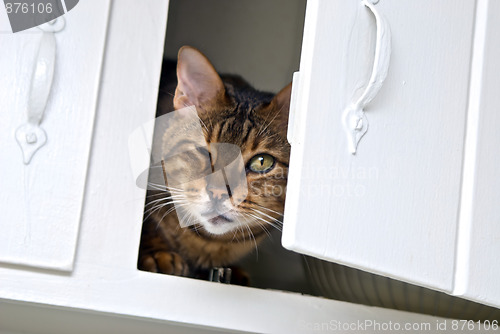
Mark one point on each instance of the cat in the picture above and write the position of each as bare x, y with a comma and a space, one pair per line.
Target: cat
230, 111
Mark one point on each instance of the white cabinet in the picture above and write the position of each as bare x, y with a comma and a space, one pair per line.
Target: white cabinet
41, 201
99, 289
418, 200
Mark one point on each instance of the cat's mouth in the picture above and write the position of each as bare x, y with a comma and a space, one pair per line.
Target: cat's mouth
217, 218
217, 223
221, 219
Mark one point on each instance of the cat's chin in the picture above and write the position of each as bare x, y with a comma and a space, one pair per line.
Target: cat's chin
218, 225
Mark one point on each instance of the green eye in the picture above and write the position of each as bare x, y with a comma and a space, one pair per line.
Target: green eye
261, 163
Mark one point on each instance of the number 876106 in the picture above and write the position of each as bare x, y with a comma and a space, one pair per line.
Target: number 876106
23, 7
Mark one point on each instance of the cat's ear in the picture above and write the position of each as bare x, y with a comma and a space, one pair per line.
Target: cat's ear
198, 83
281, 106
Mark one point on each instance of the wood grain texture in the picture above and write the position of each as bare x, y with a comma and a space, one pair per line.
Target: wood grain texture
40, 203
392, 208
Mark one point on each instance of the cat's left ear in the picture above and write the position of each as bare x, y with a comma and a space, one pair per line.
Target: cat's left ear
198, 82
281, 105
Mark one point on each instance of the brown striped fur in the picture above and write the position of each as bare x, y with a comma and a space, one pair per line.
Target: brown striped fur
231, 111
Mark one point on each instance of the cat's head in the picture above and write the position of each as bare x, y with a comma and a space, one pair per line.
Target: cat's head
232, 115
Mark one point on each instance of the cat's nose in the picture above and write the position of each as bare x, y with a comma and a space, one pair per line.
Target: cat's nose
217, 193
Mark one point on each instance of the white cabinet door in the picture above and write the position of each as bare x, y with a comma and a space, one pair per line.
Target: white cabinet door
41, 201
478, 265
394, 207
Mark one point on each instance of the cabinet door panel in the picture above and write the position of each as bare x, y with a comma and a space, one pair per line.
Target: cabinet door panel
40, 203
392, 208
478, 266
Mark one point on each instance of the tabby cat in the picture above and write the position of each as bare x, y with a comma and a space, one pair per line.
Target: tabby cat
233, 112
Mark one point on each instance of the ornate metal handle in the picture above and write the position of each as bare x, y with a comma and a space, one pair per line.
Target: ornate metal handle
30, 136
355, 121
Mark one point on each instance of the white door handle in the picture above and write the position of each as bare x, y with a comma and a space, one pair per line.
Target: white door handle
30, 136
355, 121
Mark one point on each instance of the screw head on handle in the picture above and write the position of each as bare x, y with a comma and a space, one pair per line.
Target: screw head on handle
30, 138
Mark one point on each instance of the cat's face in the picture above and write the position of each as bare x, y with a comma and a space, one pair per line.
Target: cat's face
243, 160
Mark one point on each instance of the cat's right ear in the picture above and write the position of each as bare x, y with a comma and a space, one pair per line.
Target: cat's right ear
198, 83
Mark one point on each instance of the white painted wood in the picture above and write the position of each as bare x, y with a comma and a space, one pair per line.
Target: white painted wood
105, 280
393, 207
40, 203
128, 292
58, 320
4, 22
478, 267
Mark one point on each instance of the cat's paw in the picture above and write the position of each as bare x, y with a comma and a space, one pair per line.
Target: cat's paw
169, 263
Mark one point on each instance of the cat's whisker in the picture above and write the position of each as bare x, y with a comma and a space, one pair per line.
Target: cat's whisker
271, 217
163, 193
246, 234
262, 226
192, 221
174, 189
259, 223
240, 231
203, 123
165, 198
264, 129
174, 192
152, 209
195, 226
159, 193
267, 222
155, 187
172, 209
164, 187
192, 107
251, 236
156, 184
263, 124
161, 205
235, 233
271, 210
164, 215
262, 207
155, 209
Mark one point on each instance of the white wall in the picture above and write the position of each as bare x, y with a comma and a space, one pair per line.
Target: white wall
258, 39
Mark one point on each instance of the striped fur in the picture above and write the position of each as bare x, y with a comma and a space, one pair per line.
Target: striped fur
233, 113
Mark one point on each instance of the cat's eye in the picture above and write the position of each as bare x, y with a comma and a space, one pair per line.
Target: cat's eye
261, 163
